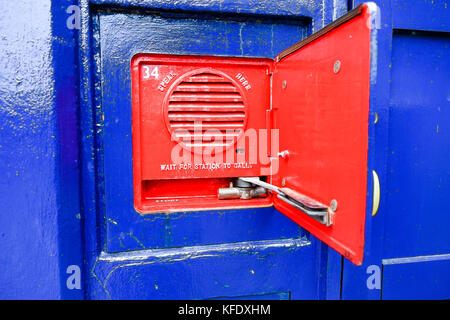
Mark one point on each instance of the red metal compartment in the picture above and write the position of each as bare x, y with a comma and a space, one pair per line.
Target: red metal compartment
170, 96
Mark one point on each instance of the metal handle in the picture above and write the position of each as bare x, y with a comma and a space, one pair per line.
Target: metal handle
376, 193
309, 206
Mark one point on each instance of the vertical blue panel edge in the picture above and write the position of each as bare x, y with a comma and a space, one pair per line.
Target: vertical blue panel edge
90, 201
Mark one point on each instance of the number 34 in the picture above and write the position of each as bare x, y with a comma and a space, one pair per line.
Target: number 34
148, 74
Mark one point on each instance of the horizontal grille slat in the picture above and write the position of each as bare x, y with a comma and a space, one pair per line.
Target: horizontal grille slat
206, 97
206, 116
203, 144
205, 78
207, 135
207, 107
203, 87
190, 126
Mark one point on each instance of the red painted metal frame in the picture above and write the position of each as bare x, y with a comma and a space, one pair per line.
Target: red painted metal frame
322, 115
153, 144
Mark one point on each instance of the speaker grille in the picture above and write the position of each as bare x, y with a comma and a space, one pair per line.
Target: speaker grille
206, 109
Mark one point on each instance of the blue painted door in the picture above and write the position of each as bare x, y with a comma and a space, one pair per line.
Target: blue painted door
408, 245
65, 110
192, 255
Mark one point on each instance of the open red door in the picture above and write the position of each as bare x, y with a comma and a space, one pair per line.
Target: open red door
321, 108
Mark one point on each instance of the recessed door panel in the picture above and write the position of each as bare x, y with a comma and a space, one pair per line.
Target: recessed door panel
193, 118
126, 229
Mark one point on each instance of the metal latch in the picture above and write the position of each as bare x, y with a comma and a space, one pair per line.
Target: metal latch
241, 190
316, 210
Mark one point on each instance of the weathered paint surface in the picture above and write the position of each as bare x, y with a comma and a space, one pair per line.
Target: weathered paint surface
125, 230
159, 34
40, 222
56, 85
200, 272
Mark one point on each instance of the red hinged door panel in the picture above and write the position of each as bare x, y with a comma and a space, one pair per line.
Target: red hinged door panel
321, 100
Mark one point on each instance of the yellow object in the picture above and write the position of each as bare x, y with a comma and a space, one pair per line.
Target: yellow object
376, 193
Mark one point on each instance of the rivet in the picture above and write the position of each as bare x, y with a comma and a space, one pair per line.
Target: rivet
337, 66
283, 182
333, 205
284, 84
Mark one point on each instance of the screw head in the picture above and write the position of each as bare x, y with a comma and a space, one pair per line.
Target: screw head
337, 66
333, 205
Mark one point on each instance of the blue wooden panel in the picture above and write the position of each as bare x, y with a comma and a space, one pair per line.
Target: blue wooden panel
412, 95
39, 221
419, 146
66, 92
416, 278
431, 15
320, 11
27, 127
112, 225
121, 36
242, 270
